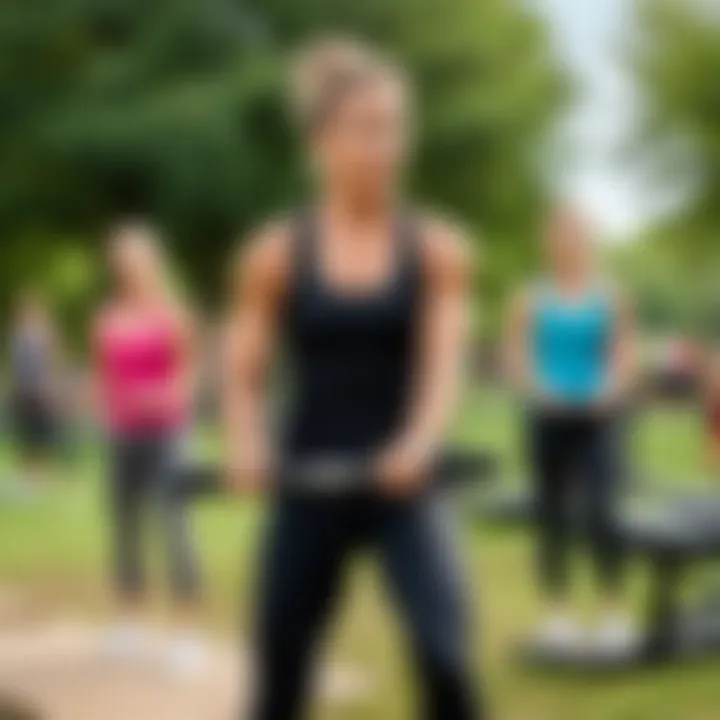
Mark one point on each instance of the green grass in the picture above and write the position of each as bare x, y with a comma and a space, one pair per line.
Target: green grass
57, 552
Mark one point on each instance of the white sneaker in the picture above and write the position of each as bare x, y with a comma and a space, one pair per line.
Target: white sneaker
187, 655
127, 642
617, 634
560, 632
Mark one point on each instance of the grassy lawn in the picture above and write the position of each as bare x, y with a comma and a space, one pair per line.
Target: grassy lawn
56, 551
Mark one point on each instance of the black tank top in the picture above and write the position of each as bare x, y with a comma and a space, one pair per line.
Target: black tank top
351, 355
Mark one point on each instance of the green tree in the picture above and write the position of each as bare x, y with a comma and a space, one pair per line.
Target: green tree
666, 301
677, 64
175, 110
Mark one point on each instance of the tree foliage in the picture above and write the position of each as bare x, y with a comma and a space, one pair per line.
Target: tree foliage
665, 301
175, 110
677, 64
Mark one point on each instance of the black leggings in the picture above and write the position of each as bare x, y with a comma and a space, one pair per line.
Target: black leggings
577, 468
309, 544
36, 429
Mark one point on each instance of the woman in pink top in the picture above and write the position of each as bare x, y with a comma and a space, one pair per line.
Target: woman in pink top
144, 373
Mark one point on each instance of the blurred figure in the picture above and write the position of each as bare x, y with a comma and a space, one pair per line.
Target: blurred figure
144, 379
682, 369
371, 301
712, 401
571, 352
35, 386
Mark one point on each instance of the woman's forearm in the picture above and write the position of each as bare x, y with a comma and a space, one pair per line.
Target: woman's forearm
516, 359
436, 397
244, 398
246, 418
622, 372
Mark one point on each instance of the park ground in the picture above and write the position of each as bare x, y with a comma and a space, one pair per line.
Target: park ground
54, 552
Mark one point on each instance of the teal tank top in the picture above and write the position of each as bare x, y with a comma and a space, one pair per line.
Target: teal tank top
571, 344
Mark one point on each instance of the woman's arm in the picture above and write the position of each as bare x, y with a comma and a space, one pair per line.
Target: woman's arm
624, 353
444, 324
185, 384
248, 346
516, 346
92, 397
55, 390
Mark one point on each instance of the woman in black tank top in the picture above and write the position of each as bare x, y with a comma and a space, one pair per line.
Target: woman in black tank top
369, 303
352, 355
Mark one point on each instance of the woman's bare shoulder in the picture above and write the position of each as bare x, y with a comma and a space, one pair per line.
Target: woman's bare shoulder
105, 315
448, 249
265, 254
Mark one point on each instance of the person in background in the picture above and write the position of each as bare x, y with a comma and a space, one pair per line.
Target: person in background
712, 404
144, 378
570, 351
35, 386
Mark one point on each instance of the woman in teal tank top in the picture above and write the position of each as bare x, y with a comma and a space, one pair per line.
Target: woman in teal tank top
571, 344
569, 351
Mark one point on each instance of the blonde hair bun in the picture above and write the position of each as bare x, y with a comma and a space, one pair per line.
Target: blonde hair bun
326, 69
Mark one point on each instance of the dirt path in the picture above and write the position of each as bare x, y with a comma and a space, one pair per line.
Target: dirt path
58, 671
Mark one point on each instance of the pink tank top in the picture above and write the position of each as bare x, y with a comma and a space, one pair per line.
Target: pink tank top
140, 362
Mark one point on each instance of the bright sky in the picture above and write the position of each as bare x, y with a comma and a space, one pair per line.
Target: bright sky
590, 36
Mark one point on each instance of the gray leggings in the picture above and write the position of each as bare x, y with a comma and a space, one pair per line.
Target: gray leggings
144, 472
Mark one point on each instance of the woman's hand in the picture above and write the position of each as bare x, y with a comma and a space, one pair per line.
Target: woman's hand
402, 469
550, 404
248, 472
608, 401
